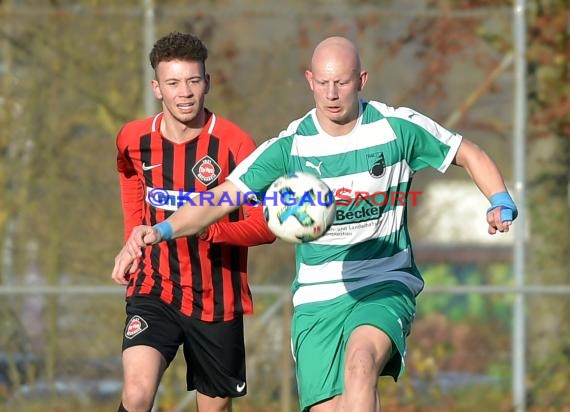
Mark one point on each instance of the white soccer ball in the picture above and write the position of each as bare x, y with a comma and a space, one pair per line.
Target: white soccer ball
299, 208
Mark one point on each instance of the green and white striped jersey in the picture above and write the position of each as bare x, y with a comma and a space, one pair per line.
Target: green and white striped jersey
369, 240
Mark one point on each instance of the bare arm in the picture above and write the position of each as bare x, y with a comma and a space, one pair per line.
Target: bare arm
481, 168
487, 176
190, 220
187, 220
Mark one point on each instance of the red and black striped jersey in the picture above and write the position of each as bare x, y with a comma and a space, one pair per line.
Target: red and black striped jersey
205, 279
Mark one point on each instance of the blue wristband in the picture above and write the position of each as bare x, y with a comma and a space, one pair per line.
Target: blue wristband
505, 202
165, 230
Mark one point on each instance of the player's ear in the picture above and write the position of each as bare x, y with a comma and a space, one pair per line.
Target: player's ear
207, 79
309, 77
156, 89
363, 79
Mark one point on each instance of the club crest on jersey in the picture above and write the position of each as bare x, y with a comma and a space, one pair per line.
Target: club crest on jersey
376, 164
135, 326
206, 170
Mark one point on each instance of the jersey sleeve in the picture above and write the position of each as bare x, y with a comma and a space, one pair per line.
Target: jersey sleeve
250, 231
424, 142
132, 190
267, 163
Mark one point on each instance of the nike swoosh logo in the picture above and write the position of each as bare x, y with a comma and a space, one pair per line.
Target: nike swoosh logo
240, 387
149, 167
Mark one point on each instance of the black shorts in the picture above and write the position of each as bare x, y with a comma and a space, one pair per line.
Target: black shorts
214, 351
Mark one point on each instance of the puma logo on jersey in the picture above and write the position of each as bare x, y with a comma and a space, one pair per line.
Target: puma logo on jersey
146, 167
310, 164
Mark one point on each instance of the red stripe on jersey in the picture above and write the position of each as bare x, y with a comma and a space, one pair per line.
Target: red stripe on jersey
245, 292
186, 255
227, 273
207, 296
185, 281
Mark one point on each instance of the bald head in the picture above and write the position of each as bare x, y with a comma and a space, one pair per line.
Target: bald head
333, 49
336, 80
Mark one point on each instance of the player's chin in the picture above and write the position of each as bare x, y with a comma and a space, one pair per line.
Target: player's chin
337, 115
186, 116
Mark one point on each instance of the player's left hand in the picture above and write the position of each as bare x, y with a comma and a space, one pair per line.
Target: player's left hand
125, 261
502, 212
496, 224
125, 265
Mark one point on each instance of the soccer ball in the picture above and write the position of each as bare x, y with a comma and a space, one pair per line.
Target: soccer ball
299, 207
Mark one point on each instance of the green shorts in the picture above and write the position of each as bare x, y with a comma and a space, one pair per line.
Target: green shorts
320, 333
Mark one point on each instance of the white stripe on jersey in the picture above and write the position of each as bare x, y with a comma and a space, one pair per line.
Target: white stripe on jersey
369, 135
325, 291
353, 269
351, 233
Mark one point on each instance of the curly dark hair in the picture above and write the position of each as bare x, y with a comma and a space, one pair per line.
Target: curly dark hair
178, 46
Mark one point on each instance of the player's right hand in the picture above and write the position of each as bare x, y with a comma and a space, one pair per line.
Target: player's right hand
140, 237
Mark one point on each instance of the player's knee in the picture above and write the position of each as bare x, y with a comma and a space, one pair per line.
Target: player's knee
136, 399
134, 408
123, 409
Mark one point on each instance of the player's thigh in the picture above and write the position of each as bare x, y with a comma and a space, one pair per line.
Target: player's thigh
326, 406
390, 309
212, 404
143, 367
